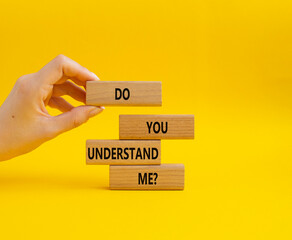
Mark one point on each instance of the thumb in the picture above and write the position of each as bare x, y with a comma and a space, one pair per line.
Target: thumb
74, 118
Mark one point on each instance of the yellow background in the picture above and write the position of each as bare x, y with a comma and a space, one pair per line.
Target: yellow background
227, 62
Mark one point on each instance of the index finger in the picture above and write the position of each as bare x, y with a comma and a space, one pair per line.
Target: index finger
61, 68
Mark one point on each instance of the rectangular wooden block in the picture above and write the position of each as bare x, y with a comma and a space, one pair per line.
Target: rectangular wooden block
156, 126
123, 152
119, 93
160, 177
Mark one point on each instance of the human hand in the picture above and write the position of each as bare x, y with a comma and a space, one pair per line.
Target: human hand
24, 120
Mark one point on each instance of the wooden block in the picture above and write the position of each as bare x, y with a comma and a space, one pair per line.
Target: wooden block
160, 177
156, 126
114, 93
123, 152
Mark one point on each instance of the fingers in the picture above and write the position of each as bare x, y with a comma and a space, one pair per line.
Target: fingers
56, 73
60, 104
69, 88
61, 68
73, 118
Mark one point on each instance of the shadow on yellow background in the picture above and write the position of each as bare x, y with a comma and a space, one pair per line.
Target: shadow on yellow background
227, 62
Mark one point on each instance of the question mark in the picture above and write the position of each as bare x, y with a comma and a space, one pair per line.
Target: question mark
156, 176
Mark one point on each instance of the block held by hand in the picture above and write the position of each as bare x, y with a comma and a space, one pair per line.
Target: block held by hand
123, 93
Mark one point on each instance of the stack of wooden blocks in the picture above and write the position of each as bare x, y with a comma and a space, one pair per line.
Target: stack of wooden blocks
135, 159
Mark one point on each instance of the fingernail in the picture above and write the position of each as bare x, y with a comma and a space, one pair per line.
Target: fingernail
95, 75
102, 107
94, 111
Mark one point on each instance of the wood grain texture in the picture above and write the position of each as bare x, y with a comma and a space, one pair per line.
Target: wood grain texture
142, 93
169, 177
147, 126
123, 152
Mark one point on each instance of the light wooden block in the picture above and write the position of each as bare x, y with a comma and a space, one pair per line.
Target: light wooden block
123, 152
160, 177
156, 126
119, 93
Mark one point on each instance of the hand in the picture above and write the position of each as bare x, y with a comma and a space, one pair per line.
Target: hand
24, 120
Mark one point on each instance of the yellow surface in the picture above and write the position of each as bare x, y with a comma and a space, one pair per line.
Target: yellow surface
227, 62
